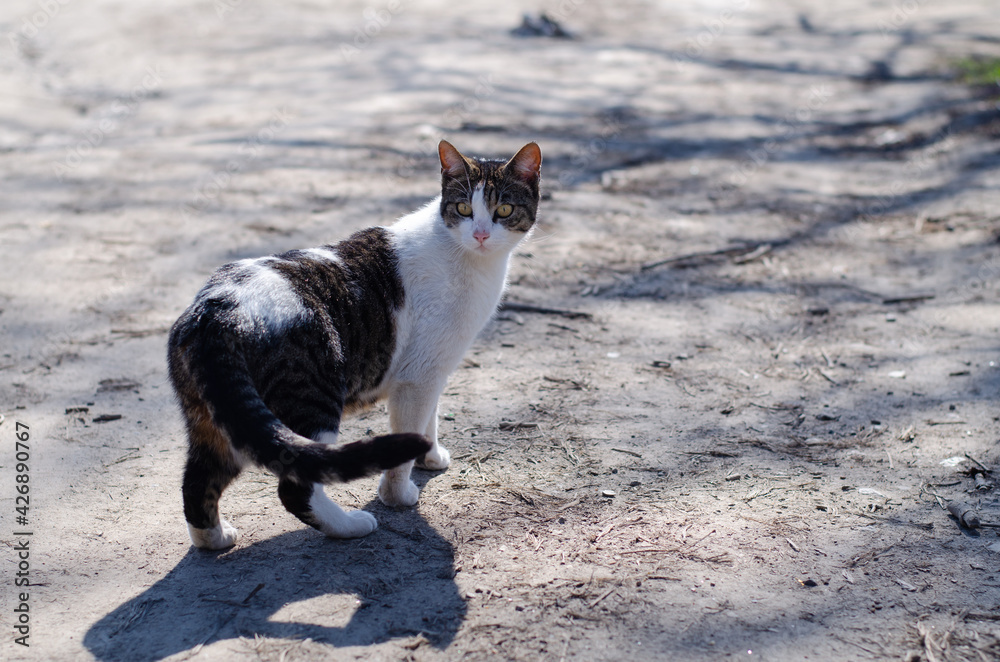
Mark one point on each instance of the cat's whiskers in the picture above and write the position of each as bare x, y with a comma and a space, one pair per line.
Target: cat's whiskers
538, 238
528, 260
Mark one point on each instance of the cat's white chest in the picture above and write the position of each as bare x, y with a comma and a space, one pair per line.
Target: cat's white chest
449, 297
447, 305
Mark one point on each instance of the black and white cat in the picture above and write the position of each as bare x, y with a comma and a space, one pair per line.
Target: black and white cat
275, 350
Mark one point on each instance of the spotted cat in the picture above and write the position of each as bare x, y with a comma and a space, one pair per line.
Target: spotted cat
275, 350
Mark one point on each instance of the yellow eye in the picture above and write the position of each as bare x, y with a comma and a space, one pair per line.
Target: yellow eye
464, 208
503, 211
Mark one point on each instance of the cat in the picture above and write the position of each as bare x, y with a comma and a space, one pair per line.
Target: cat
273, 351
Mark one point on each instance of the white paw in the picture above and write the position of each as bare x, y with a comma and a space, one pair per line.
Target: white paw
334, 522
229, 533
437, 459
393, 493
358, 523
220, 537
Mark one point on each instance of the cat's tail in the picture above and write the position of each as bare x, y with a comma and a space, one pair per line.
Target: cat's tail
257, 432
221, 378
306, 461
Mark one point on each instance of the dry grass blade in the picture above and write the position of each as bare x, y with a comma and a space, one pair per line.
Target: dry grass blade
744, 250
508, 426
132, 454
603, 596
758, 252
932, 648
571, 384
515, 307
627, 452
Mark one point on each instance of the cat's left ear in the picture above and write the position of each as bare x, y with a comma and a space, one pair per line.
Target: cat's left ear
527, 163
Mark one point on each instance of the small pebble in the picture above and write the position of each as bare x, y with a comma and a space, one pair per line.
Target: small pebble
608, 493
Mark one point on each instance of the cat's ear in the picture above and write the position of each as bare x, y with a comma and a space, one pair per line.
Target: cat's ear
453, 163
527, 162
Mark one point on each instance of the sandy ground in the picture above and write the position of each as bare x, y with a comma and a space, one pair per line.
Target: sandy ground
729, 456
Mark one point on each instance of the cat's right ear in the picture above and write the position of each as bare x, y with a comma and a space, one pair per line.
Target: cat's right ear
453, 163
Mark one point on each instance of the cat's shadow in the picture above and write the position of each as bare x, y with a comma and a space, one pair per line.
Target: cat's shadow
397, 582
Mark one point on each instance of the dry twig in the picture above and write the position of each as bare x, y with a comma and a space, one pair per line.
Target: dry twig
627, 452
515, 307
743, 250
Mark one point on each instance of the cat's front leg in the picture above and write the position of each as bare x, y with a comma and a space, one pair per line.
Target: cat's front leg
437, 458
396, 488
412, 408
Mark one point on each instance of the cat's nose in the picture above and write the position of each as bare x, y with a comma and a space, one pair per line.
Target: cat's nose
481, 236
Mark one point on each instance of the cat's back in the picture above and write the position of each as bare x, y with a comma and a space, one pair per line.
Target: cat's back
348, 286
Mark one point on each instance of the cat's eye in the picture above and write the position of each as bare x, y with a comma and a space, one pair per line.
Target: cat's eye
503, 211
464, 208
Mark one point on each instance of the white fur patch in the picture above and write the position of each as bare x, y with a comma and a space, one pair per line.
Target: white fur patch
264, 297
396, 488
334, 522
268, 297
480, 211
437, 458
322, 254
326, 437
452, 289
220, 537
451, 292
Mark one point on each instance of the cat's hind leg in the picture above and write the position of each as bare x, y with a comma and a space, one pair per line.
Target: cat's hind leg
309, 503
205, 478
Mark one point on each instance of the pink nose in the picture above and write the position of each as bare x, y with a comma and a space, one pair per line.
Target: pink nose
481, 236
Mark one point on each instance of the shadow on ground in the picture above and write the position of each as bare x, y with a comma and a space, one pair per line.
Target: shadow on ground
297, 585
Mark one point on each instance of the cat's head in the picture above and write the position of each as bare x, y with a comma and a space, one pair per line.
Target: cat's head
489, 205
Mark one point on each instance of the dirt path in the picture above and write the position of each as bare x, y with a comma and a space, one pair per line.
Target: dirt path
733, 455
